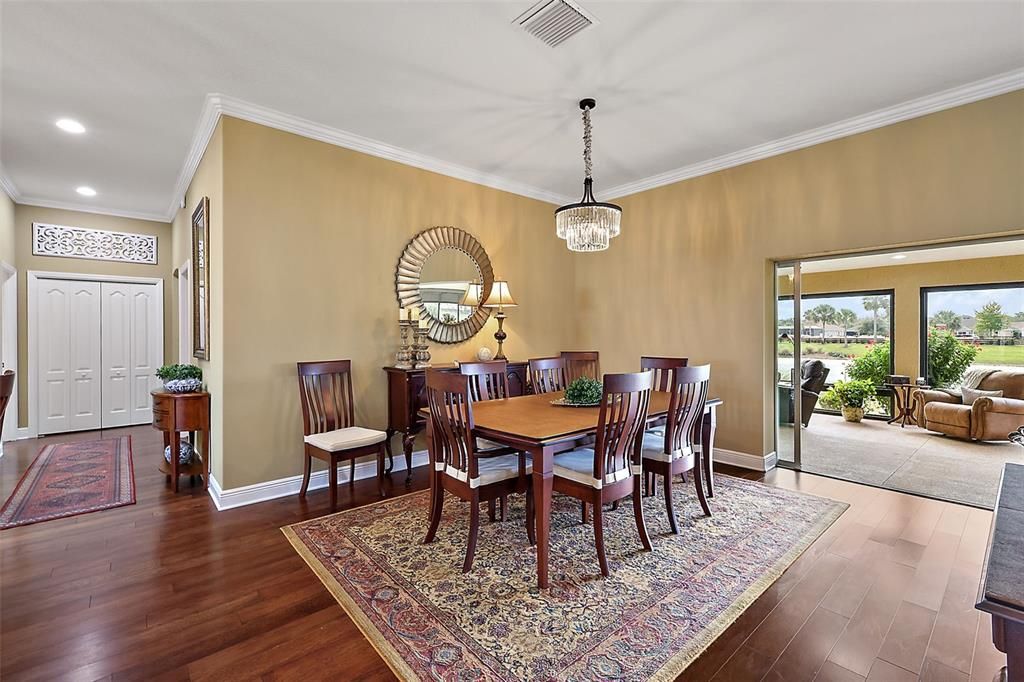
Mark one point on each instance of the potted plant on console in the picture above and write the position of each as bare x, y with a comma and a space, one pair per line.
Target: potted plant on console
181, 378
852, 397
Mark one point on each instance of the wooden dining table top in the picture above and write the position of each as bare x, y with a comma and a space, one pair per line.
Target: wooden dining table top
534, 419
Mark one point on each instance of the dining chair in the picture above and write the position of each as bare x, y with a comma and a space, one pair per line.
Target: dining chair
328, 424
547, 375
582, 363
457, 467
611, 470
663, 369
676, 449
488, 381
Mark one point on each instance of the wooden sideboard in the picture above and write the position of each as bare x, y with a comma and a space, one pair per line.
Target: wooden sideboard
407, 395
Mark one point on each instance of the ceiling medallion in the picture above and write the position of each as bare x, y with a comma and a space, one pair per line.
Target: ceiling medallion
590, 224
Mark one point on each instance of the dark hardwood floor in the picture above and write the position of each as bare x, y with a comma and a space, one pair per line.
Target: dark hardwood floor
171, 589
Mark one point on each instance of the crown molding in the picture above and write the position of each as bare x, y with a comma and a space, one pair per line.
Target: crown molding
7, 185
947, 99
90, 208
218, 105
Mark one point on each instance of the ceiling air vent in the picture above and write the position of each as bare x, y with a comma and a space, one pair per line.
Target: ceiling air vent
554, 21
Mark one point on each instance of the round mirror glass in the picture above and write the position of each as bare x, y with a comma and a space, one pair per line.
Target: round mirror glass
447, 274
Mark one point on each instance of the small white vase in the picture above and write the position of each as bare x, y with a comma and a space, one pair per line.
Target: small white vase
853, 414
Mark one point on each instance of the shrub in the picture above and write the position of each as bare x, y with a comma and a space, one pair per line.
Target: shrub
169, 372
584, 391
948, 357
873, 366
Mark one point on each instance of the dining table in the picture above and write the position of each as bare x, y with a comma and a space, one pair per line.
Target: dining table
533, 424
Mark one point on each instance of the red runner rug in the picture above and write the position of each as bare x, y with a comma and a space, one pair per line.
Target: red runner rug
72, 478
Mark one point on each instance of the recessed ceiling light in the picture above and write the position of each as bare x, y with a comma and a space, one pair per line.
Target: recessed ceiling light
899, 256
86, 191
70, 125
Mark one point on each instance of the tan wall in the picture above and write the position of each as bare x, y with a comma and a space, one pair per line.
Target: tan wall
691, 272
208, 181
24, 216
312, 235
906, 282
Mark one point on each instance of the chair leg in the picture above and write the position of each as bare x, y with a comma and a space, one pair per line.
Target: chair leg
305, 476
638, 514
352, 471
599, 535
668, 505
504, 507
709, 478
380, 471
332, 481
474, 529
491, 516
435, 513
531, 526
615, 505
698, 482
584, 519
391, 455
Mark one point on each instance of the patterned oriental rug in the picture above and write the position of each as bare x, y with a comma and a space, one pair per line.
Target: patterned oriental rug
72, 478
655, 614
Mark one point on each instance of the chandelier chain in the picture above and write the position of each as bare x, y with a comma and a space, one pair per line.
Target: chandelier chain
588, 166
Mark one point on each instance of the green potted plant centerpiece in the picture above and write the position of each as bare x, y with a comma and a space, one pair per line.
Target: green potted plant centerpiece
852, 397
583, 392
181, 378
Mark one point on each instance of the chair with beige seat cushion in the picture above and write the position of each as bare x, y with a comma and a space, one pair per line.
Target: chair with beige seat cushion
610, 471
328, 424
457, 467
987, 418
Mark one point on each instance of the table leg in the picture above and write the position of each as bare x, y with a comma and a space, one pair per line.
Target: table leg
897, 404
175, 447
430, 465
542, 479
407, 442
707, 447
206, 458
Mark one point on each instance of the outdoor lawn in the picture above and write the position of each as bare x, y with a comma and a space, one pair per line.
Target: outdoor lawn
988, 355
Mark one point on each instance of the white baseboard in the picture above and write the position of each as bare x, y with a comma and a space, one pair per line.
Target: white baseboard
745, 460
282, 487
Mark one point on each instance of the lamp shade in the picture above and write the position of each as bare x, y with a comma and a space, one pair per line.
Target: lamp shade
500, 296
472, 297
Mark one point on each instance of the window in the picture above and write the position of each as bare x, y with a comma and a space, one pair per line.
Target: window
978, 325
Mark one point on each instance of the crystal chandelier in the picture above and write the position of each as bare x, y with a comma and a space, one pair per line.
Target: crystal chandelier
589, 224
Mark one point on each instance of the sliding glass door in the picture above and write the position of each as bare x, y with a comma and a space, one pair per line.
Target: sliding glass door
787, 360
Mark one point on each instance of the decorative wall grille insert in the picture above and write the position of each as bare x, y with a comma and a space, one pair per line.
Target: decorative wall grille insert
81, 242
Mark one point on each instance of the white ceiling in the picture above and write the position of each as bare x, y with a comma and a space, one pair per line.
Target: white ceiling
1010, 247
677, 83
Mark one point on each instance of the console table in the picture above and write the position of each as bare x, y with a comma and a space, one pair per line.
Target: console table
177, 412
1002, 584
407, 395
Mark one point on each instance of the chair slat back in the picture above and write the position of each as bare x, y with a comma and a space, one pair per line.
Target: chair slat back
581, 363
686, 407
487, 380
624, 404
325, 391
663, 369
451, 413
547, 375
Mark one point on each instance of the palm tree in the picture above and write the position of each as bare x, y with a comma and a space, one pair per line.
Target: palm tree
846, 318
873, 304
949, 318
823, 313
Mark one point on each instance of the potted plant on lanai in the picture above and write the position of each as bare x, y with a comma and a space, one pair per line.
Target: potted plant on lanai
181, 378
852, 397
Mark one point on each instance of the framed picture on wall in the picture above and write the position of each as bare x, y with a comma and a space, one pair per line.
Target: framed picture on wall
201, 280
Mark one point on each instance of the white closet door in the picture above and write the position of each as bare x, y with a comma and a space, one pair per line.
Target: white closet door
116, 317
147, 348
54, 356
84, 409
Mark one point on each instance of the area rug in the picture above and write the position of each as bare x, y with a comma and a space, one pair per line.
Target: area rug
655, 614
72, 478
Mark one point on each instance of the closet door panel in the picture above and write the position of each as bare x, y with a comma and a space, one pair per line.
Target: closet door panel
116, 311
84, 327
53, 352
147, 349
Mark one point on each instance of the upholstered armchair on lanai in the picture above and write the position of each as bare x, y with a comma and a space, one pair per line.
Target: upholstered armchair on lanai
985, 418
813, 374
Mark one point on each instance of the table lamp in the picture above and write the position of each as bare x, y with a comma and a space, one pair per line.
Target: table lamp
500, 298
472, 297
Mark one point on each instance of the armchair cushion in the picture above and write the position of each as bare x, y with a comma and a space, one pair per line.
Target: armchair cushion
345, 439
931, 395
952, 419
994, 418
